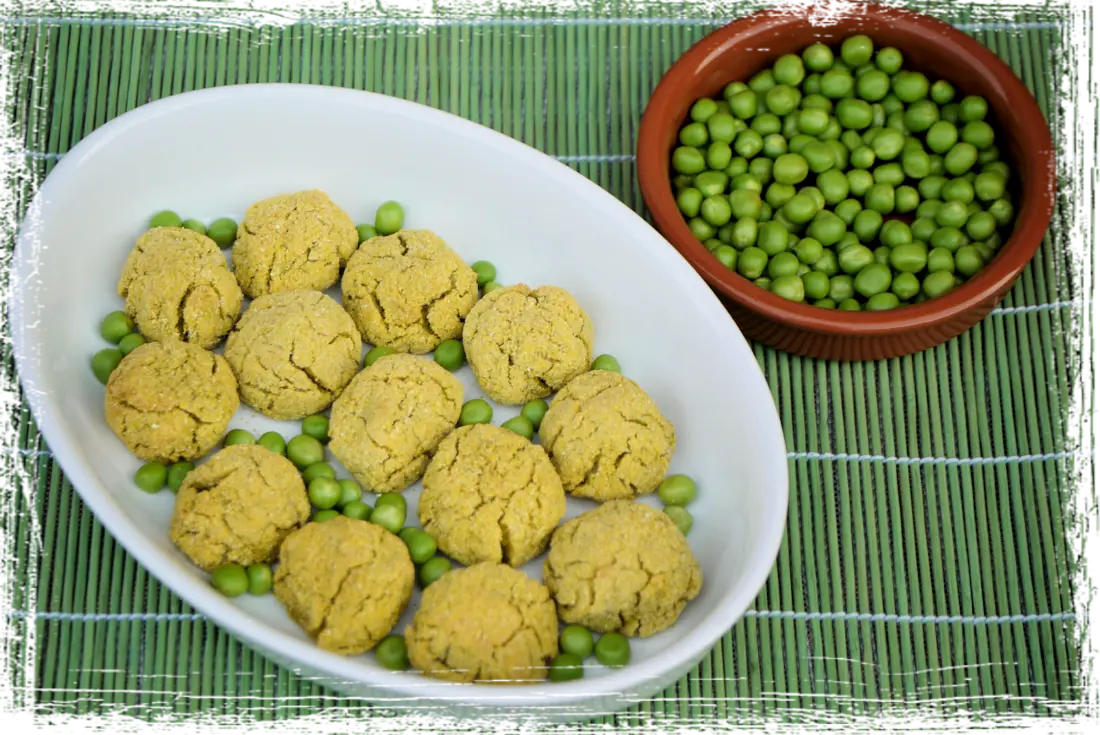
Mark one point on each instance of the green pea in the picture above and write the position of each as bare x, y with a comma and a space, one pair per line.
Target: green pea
911, 86
813, 121
238, 436
745, 203
906, 199
960, 158
733, 88
894, 233
833, 185
958, 190
702, 109
764, 283
952, 214
779, 194
746, 181
889, 59
969, 260
851, 140
376, 353
815, 285
680, 516
391, 652
853, 259
476, 411
365, 232
940, 259
800, 208
866, 224
827, 228
230, 579
716, 210
840, 153
978, 133
989, 185
320, 516
842, 287
789, 287
165, 218
905, 286
781, 219
935, 164
745, 233
808, 250
942, 92
421, 545
702, 229
151, 477
357, 510
789, 169
318, 469
827, 263
836, 83
389, 516
104, 363
916, 164
873, 278
761, 168
972, 108
304, 450
782, 264
688, 160
432, 570
817, 57
854, 114
847, 209
324, 493
743, 105
973, 207
856, 50
928, 209
1002, 211
849, 304
819, 156
718, 155
689, 201
922, 229
889, 173
931, 187
766, 124
860, 182
766, 212
788, 69
677, 490
389, 218
825, 303
771, 238
878, 115
887, 144
748, 144
814, 193
752, 262
177, 473
799, 142
130, 342
981, 226
910, 257
115, 326
223, 231
738, 166
316, 426
520, 425
880, 198
782, 99
948, 238
350, 492
488, 288
817, 102
883, 302
938, 283
872, 85
727, 256
942, 136
694, 135
725, 127
260, 579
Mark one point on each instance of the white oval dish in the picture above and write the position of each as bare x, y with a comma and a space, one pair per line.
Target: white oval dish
213, 152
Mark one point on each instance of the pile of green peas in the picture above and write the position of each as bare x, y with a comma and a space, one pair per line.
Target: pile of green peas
845, 180
577, 643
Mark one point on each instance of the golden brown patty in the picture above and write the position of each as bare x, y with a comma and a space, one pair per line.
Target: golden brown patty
487, 622
170, 400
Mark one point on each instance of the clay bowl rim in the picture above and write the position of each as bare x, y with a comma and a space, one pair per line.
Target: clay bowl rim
1036, 167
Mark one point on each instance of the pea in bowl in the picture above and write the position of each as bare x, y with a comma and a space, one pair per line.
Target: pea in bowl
857, 184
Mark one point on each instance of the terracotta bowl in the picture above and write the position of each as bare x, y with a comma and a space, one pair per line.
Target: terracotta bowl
740, 49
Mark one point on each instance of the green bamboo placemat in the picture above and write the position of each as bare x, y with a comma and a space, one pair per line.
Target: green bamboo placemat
928, 559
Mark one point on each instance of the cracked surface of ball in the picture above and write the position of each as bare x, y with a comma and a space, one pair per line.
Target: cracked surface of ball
607, 438
408, 291
177, 285
346, 582
170, 400
291, 242
238, 507
524, 344
391, 417
293, 352
487, 622
490, 495
623, 567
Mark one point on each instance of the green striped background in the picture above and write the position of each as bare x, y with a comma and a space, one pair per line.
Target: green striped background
907, 576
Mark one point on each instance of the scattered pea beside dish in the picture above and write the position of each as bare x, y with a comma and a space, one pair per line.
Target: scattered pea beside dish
842, 179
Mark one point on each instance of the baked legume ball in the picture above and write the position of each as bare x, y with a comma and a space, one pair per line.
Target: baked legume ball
171, 400
524, 344
408, 291
293, 352
487, 622
177, 286
607, 438
291, 242
391, 417
623, 567
490, 495
238, 507
345, 582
